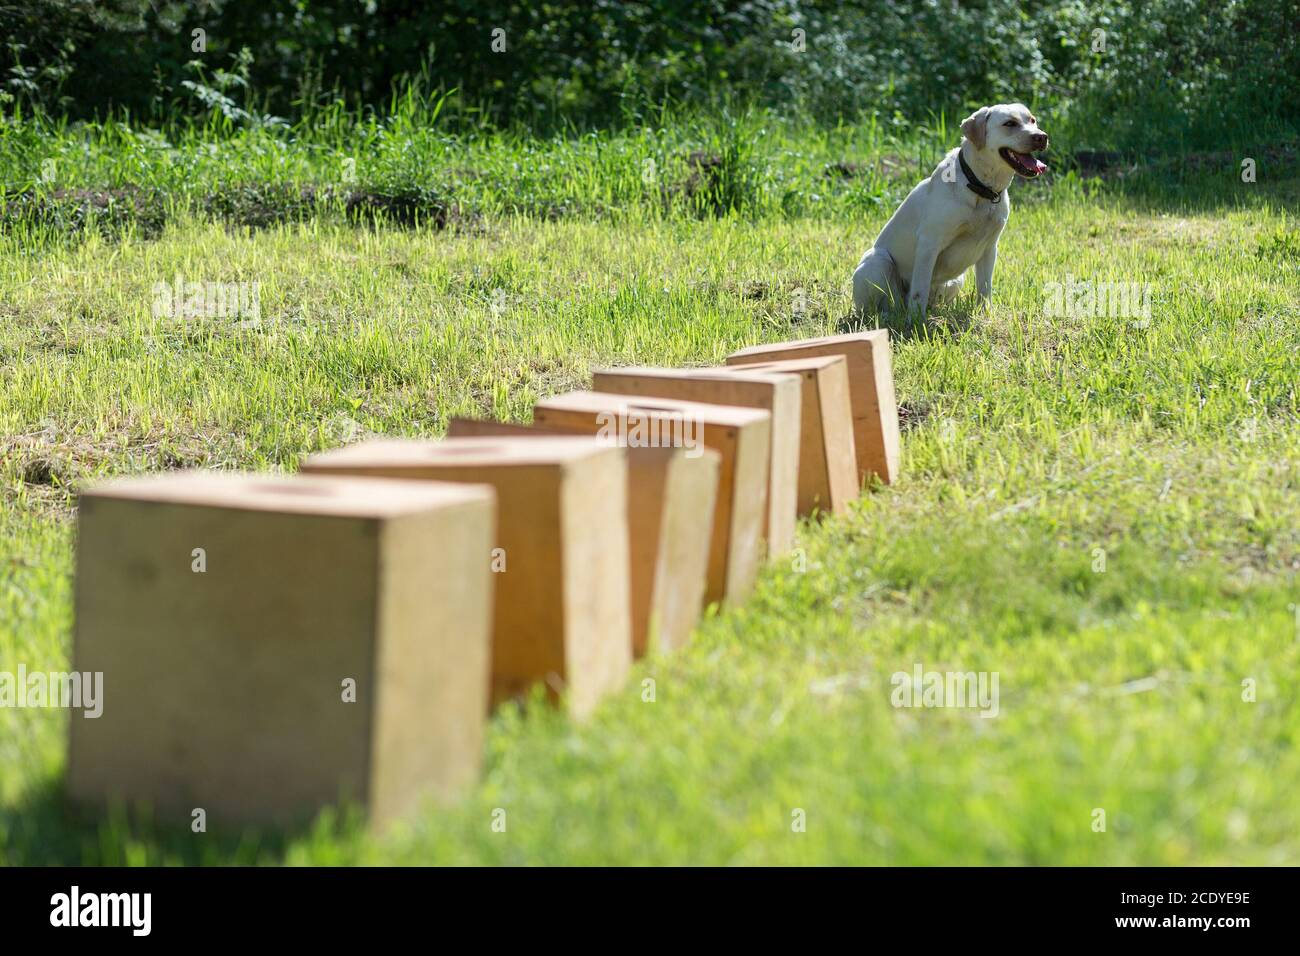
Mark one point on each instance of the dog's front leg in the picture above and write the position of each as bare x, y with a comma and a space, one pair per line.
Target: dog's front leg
927, 254
984, 273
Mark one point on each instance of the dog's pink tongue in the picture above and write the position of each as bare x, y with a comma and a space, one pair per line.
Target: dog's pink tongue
1039, 165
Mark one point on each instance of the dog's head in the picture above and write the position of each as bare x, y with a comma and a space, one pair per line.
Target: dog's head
1011, 131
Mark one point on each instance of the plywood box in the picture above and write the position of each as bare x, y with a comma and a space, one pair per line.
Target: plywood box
828, 478
227, 614
871, 389
670, 513
560, 566
777, 394
741, 436
671, 498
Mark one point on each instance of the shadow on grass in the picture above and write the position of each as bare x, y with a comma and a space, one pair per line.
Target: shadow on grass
111, 213
1152, 194
47, 829
950, 321
1191, 183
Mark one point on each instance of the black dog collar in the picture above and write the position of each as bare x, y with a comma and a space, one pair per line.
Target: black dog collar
973, 184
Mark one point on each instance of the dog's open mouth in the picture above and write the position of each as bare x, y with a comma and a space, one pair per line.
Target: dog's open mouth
1025, 164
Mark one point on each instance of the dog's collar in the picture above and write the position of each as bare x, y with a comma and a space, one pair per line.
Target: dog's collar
973, 183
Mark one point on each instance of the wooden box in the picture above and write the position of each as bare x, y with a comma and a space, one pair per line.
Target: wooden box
778, 394
670, 510
871, 389
741, 436
227, 614
828, 476
670, 514
560, 565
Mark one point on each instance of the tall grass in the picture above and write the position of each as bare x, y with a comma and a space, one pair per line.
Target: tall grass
418, 160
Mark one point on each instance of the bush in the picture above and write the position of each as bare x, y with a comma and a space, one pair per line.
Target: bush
1131, 70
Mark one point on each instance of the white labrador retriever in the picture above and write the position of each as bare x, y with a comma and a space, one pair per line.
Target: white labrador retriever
952, 220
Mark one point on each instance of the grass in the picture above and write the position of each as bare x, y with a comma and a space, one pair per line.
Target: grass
754, 162
1104, 511
114, 175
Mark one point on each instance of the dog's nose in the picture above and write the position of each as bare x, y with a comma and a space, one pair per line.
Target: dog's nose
1040, 141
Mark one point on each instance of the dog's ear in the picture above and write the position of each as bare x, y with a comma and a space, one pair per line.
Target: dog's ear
976, 127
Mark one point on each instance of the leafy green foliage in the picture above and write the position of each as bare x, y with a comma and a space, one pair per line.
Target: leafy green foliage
1134, 71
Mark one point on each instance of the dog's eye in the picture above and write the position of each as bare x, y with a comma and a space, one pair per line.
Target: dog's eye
1010, 123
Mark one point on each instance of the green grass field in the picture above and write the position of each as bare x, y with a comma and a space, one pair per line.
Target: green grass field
1105, 511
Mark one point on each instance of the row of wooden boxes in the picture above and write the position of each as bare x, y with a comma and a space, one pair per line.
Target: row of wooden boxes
273, 644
